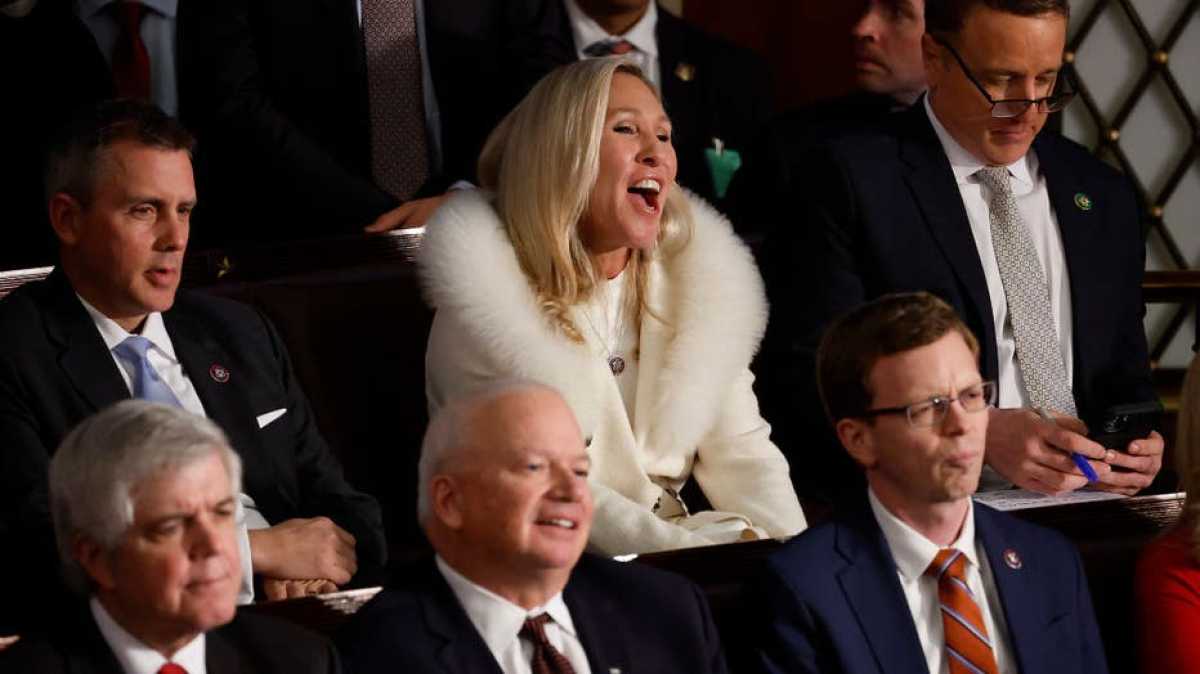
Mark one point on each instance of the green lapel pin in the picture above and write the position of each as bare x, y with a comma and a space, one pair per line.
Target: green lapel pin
1083, 201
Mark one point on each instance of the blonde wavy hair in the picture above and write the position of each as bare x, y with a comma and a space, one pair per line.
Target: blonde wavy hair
1187, 450
541, 163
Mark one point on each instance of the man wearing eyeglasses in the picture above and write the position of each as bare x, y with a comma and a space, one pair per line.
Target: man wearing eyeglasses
917, 578
1035, 243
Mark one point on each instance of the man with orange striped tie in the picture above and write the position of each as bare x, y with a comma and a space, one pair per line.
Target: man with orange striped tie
920, 578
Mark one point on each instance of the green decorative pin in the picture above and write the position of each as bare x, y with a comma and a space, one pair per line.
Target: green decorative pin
1083, 201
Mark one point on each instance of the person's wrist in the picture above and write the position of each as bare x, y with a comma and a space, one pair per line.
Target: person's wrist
262, 557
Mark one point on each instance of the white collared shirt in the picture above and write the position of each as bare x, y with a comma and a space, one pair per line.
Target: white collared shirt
499, 621
158, 34
913, 554
587, 32
162, 358
136, 657
1033, 202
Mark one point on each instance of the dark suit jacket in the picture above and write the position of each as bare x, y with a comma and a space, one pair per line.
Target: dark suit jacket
250, 644
831, 601
55, 371
884, 214
628, 617
277, 92
726, 94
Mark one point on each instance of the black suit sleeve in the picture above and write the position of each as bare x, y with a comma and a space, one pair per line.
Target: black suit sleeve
812, 275
785, 629
323, 487
235, 113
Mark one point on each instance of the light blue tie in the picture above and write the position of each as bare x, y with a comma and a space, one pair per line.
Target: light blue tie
147, 385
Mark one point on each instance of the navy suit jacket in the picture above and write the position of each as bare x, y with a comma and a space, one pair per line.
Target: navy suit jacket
55, 371
630, 618
250, 644
883, 214
832, 601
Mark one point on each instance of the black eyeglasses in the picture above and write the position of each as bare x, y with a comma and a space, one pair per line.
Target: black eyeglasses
931, 412
1014, 107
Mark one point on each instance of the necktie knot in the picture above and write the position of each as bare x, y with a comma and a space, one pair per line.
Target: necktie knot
134, 347
948, 561
144, 379
545, 659
996, 178
129, 13
171, 668
609, 47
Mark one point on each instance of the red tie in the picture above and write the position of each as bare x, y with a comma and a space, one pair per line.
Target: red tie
968, 647
545, 659
171, 668
130, 61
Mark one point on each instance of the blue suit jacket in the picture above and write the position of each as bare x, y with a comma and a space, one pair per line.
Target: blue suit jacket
832, 602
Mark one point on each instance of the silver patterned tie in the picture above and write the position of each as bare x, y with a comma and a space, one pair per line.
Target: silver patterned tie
399, 159
1028, 298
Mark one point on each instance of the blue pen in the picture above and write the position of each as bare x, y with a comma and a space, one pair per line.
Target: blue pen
1079, 459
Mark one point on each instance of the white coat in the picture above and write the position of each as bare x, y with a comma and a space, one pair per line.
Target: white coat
695, 411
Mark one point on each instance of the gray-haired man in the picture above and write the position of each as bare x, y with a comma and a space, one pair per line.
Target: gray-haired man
145, 506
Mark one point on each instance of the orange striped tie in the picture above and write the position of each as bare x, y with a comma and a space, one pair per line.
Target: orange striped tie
968, 647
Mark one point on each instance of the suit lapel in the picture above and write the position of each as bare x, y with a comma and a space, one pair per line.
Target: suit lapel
597, 624
1026, 620
199, 353
932, 184
870, 586
82, 356
220, 655
458, 645
1075, 226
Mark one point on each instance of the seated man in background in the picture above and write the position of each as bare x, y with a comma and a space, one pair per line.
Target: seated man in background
889, 76
1033, 240
505, 503
918, 578
106, 325
145, 501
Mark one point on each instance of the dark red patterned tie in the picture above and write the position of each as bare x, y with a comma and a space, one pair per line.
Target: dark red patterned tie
609, 48
130, 60
968, 646
546, 659
399, 149
171, 668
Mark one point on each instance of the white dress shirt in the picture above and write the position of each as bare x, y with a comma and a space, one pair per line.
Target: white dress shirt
170, 370
136, 657
913, 554
586, 32
1033, 202
158, 33
499, 621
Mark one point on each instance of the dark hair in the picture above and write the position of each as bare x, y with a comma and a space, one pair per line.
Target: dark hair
944, 18
857, 340
75, 153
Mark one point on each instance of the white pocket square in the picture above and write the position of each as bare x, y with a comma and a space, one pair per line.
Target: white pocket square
264, 419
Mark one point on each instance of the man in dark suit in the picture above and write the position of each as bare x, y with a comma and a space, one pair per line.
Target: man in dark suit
717, 95
106, 325
889, 77
145, 501
279, 93
505, 503
1034, 241
917, 577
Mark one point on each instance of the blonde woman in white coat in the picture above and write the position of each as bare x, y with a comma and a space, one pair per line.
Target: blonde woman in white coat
581, 264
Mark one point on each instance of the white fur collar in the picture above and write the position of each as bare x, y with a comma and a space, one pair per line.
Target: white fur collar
710, 293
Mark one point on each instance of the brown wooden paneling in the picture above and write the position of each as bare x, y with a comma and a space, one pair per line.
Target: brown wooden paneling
807, 42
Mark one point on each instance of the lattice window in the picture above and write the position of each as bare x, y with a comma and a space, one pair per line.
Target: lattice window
1137, 67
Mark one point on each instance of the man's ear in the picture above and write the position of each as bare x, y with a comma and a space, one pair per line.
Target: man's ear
66, 217
856, 436
95, 562
447, 501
